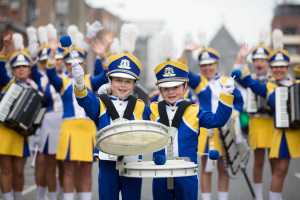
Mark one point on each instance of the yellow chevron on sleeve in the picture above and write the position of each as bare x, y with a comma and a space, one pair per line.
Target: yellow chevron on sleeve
226, 99
154, 111
139, 109
201, 85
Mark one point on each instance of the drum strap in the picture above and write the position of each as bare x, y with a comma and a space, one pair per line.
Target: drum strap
178, 115
112, 110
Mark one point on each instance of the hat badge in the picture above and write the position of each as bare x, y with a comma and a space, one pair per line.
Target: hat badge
260, 51
124, 64
279, 56
169, 72
74, 54
205, 55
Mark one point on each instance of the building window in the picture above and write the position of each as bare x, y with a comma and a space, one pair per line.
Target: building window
289, 30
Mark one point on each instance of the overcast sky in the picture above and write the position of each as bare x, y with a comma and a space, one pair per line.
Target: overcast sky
245, 19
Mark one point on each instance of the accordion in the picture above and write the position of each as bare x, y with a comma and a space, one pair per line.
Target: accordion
257, 104
21, 109
287, 106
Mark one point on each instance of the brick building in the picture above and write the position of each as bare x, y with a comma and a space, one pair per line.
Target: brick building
287, 18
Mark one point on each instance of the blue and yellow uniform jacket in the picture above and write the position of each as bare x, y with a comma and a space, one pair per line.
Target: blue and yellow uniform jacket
189, 127
204, 92
64, 85
52, 100
208, 94
97, 111
285, 142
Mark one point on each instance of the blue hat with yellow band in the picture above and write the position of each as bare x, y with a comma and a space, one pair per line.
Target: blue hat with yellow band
74, 54
44, 53
124, 65
59, 53
260, 52
279, 58
171, 73
208, 56
20, 58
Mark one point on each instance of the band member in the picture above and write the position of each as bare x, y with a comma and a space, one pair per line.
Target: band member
172, 81
261, 127
14, 147
76, 130
123, 72
207, 87
285, 142
47, 135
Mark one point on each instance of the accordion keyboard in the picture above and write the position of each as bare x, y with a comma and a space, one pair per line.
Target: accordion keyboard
282, 116
7, 101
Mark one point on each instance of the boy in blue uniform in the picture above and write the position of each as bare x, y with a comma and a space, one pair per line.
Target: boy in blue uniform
123, 72
172, 79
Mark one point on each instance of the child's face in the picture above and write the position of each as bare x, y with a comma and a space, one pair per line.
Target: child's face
261, 66
122, 87
173, 94
279, 73
21, 72
209, 70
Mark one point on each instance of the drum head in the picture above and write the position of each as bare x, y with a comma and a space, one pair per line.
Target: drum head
132, 137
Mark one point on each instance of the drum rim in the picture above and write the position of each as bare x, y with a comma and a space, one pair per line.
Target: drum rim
130, 165
104, 133
122, 123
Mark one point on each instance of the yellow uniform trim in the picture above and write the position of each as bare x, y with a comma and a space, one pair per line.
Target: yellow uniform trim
139, 109
226, 99
102, 108
176, 64
3, 57
201, 85
65, 81
80, 93
270, 87
190, 117
6, 87
154, 111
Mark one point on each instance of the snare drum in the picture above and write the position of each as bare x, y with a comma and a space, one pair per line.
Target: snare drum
148, 169
125, 137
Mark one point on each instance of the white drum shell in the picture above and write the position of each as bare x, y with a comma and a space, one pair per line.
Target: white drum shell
148, 169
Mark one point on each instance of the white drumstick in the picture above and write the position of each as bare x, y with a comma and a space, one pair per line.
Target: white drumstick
36, 150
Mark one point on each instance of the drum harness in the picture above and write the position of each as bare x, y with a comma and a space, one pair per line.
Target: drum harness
174, 125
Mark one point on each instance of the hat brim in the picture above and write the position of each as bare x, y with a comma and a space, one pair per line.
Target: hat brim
122, 75
59, 56
279, 64
20, 64
259, 56
207, 62
170, 84
74, 60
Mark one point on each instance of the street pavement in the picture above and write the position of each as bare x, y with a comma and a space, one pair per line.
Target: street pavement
238, 187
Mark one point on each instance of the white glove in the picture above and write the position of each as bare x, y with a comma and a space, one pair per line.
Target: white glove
78, 75
93, 29
104, 89
227, 84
